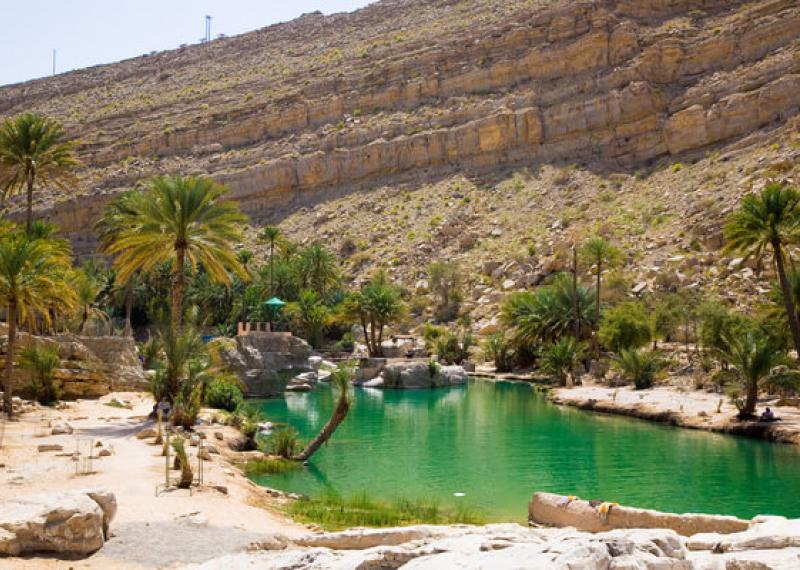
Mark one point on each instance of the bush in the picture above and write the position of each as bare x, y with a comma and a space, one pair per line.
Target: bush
223, 394
347, 343
562, 357
639, 367
452, 349
271, 466
41, 363
286, 442
498, 350
626, 326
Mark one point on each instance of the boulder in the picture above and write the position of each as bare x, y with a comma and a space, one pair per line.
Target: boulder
147, 433
60, 427
72, 523
416, 374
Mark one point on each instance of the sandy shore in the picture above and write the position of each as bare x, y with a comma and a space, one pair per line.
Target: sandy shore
150, 530
682, 407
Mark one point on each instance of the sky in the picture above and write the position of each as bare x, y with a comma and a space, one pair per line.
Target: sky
90, 32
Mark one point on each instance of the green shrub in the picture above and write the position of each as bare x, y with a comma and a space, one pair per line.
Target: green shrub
452, 349
183, 461
41, 363
333, 512
639, 367
271, 466
286, 442
497, 349
626, 326
223, 394
561, 358
347, 343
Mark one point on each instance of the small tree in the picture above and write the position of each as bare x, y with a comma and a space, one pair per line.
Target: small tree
376, 306
182, 458
663, 321
270, 235
311, 316
445, 284
497, 349
625, 326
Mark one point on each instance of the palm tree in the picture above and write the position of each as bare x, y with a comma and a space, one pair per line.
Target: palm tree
340, 379
179, 219
562, 357
116, 214
598, 252
318, 269
31, 151
374, 307
770, 219
271, 234
87, 289
33, 282
548, 313
753, 355
311, 315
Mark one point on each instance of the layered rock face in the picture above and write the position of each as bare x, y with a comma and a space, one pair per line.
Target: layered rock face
90, 366
296, 113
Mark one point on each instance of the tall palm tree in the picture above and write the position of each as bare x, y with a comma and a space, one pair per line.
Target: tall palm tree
32, 150
180, 219
375, 306
599, 253
33, 283
769, 219
270, 234
318, 269
340, 379
116, 214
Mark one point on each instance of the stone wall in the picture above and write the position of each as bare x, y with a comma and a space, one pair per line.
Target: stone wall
90, 366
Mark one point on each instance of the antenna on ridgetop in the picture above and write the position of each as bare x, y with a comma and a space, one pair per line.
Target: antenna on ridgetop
208, 29
54, 61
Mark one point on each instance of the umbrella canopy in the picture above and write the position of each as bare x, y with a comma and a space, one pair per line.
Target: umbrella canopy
275, 302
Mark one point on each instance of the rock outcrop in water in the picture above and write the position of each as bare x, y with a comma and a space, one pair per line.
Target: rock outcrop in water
416, 374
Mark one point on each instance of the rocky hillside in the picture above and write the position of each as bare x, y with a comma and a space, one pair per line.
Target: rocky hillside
482, 130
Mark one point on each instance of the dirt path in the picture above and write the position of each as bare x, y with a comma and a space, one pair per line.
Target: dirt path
150, 530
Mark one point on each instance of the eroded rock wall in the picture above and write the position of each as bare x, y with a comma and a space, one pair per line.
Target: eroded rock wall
472, 85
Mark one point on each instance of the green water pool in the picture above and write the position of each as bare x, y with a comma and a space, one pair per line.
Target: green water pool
498, 442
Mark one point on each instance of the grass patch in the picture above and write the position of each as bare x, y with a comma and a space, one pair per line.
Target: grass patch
271, 466
117, 404
333, 512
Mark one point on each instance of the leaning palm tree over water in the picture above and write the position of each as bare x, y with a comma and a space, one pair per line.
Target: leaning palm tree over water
340, 380
769, 219
33, 285
32, 150
179, 219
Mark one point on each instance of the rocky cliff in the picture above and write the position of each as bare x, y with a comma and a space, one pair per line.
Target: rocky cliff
299, 113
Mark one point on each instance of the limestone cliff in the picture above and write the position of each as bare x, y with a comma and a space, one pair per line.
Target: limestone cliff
297, 113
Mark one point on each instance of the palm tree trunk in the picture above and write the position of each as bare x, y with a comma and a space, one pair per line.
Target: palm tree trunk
370, 348
595, 340
271, 266
338, 416
128, 307
177, 291
575, 292
9, 369
788, 302
750, 399
29, 209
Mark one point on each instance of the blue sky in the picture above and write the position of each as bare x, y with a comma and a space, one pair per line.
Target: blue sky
89, 32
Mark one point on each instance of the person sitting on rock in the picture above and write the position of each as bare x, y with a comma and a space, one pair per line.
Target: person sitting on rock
768, 416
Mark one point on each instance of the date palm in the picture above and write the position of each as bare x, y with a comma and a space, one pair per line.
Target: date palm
33, 150
179, 220
270, 234
769, 220
108, 228
754, 356
599, 253
340, 379
33, 285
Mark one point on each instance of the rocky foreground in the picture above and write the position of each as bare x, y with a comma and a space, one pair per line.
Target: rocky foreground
770, 543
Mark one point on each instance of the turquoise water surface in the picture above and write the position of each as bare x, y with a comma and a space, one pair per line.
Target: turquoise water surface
499, 442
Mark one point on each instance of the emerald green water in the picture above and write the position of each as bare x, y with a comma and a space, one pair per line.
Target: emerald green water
499, 442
